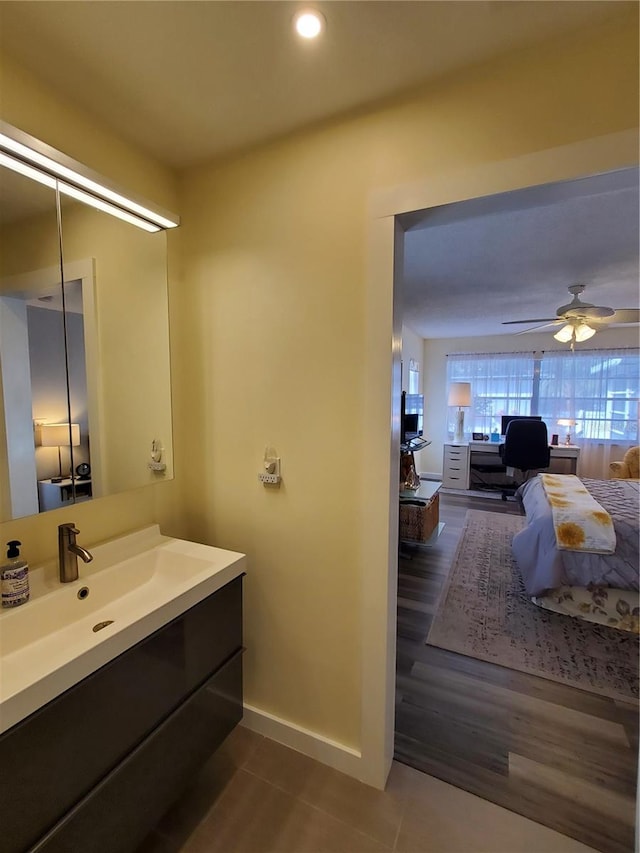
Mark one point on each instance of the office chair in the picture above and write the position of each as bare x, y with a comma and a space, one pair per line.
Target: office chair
526, 447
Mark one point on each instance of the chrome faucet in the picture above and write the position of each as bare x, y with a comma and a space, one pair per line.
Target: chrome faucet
68, 553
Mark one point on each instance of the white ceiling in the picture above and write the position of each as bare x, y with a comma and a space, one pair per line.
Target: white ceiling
191, 81
188, 81
470, 266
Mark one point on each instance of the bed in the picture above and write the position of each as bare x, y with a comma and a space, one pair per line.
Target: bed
601, 588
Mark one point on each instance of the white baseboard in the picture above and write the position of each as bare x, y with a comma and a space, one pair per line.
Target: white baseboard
337, 755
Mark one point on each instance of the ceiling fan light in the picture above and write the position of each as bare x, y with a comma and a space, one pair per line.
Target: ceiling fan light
565, 334
584, 332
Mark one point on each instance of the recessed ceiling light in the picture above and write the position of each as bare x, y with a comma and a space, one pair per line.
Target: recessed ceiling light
308, 23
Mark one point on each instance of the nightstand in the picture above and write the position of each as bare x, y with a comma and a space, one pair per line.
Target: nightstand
55, 495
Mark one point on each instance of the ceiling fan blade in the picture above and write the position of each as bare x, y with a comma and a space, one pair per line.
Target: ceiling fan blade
537, 328
621, 315
625, 315
591, 312
536, 320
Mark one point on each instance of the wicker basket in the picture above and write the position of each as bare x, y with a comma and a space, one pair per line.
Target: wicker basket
417, 523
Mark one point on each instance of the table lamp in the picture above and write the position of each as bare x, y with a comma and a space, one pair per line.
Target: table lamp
459, 395
58, 435
567, 422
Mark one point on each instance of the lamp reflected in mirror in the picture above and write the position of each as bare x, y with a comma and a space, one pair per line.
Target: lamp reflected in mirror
59, 435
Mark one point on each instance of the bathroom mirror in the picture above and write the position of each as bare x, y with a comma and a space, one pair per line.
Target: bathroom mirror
84, 352
29, 282
126, 401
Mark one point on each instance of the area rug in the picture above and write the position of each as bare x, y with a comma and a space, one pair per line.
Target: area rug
485, 613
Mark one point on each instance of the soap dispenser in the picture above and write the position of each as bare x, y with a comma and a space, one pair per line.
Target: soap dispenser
14, 577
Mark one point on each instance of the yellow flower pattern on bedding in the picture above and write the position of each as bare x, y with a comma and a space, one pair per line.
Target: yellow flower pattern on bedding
617, 608
580, 523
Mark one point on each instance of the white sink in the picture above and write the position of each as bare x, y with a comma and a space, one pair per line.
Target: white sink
133, 586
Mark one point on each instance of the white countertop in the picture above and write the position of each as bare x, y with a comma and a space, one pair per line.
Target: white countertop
141, 582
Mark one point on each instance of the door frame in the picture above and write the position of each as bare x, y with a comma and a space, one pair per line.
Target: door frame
383, 318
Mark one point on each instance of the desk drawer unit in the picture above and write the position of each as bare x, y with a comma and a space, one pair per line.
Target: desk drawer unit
455, 466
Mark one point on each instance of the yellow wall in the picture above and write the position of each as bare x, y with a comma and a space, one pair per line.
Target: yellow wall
269, 310
275, 306
32, 106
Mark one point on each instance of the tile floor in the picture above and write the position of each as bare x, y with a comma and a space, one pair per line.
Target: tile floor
256, 796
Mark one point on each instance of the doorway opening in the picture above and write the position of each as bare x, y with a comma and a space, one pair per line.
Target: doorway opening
508, 736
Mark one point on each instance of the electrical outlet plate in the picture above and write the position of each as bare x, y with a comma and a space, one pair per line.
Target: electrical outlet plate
270, 473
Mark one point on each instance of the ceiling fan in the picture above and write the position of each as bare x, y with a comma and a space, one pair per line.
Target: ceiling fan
580, 320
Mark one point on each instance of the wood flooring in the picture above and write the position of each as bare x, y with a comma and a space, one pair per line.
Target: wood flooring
561, 756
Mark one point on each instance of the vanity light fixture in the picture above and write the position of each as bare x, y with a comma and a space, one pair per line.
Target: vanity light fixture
100, 204
27, 155
308, 23
74, 192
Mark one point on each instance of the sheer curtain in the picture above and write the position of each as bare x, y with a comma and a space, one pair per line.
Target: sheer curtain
598, 390
501, 384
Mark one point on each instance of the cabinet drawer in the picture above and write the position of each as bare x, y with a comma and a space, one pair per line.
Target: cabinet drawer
79, 736
456, 454
455, 467
454, 482
116, 816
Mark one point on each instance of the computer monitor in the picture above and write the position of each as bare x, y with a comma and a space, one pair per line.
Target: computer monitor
506, 420
411, 416
410, 426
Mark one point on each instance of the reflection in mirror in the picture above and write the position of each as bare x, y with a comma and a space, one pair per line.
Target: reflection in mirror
32, 356
84, 355
124, 398
68, 432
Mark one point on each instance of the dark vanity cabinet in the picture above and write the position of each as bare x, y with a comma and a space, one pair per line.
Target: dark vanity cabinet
94, 769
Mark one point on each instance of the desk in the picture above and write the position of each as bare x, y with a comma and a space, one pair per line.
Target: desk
54, 495
458, 456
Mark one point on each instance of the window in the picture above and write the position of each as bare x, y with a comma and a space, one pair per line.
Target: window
414, 377
501, 384
599, 389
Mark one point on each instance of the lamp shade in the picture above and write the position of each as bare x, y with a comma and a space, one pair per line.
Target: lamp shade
574, 329
584, 332
460, 394
565, 334
57, 435
566, 422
